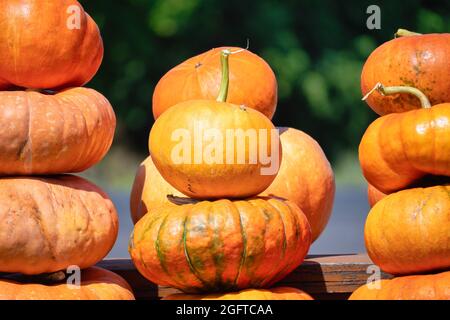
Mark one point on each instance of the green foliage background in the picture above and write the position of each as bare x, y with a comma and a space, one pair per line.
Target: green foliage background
316, 48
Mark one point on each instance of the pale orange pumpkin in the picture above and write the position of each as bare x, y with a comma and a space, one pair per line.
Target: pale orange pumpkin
48, 224
44, 133
47, 44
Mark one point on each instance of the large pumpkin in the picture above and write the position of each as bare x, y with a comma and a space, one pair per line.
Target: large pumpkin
280, 293
149, 191
48, 224
408, 232
415, 60
252, 82
305, 178
41, 133
47, 44
210, 149
418, 287
96, 284
399, 149
220, 246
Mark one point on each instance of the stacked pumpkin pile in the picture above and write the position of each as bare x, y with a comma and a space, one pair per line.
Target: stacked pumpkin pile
52, 223
405, 157
200, 225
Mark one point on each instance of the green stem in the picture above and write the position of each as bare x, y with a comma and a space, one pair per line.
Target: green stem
387, 91
223, 93
406, 33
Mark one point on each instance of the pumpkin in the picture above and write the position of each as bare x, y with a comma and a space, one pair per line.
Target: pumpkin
252, 82
280, 293
220, 246
44, 133
399, 149
414, 60
305, 178
150, 190
408, 232
48, 224
417, 287
210, 149
47, 44
374, 195
96, 284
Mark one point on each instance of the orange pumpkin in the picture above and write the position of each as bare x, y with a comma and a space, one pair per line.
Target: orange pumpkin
305, 178
48, 224
149, 191
374, 195
399, 149
68, 131
47, 44
408, 232
210, 149
252, 82
222, 245
96, 284
280, 293
414, 60
418, 287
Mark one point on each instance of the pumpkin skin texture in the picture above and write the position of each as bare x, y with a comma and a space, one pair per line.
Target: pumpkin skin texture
48, 224
305, 178
149, 191
222, 245
280, 293
252, 82
408, 232
203, 180
69, 131
420, 61
417, 287
400, 149
40, 51
374, 195
96, 284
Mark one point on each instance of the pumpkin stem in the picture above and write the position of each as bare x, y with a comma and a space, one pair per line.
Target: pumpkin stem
181, 200
405, 33
223, 93
387, 91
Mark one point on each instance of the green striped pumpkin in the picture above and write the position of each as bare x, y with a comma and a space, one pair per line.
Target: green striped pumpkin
222, 245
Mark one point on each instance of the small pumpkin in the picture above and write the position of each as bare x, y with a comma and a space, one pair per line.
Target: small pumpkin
96, 284
417, 287
210, 149
44, 133
280, 293
149, 191
408, 232
252, 82
222, 245
374, 195
412, 59
47, 44
48, 224
399, 149
305, 178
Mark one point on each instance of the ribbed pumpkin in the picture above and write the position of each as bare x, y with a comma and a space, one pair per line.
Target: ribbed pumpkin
210, 149
418, 287
149, 191
222, 245
47, 44
48, 224
280, 293
252, 82
408, 232
64, 132
415, 60
374, 195
96, 284
305, 178
399, 149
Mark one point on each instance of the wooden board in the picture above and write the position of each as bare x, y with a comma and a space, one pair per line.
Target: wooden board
324, 277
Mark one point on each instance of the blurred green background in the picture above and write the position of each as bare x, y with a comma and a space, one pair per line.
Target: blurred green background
316, 48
